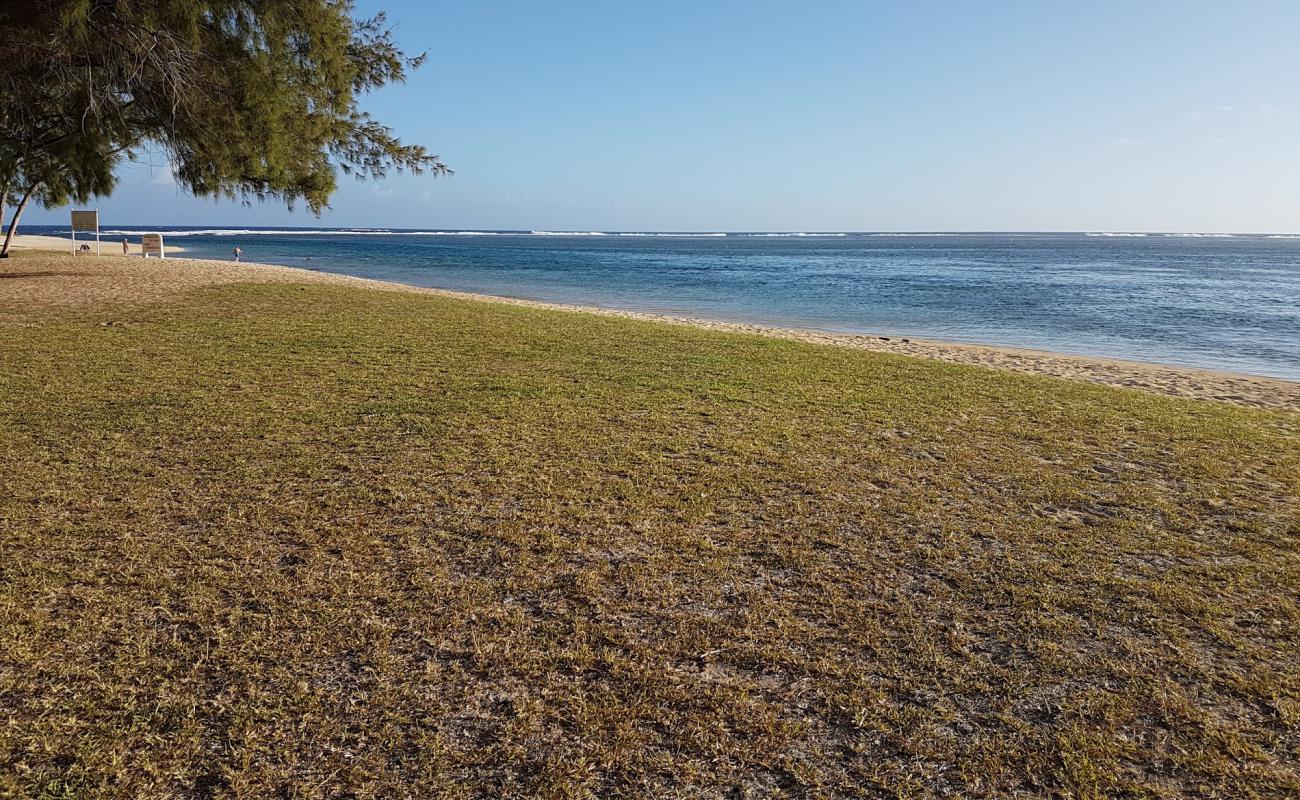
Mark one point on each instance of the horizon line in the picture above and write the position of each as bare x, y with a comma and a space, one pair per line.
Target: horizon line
451, 231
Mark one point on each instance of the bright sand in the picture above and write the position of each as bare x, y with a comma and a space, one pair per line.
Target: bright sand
49, 279
108, 245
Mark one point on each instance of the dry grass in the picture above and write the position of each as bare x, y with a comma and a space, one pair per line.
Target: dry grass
320, 542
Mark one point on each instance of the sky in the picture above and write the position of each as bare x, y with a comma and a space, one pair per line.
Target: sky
819, 116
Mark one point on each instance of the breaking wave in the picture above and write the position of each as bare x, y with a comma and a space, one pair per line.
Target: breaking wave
675, 235
1173, 235
785, 235
631, 233
306, 232
387, 232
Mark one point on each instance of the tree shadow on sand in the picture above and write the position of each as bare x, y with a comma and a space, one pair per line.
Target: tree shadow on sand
44, 274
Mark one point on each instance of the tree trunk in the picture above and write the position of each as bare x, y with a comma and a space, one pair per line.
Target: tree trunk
13, 225
4, 201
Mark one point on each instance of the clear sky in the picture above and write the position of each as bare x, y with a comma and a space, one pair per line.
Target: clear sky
717, 115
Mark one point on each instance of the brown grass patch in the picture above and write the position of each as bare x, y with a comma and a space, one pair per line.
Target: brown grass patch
311, 541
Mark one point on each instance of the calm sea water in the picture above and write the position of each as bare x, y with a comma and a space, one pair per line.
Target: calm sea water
1220, 302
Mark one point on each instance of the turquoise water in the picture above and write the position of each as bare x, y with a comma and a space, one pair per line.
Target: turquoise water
1221, 302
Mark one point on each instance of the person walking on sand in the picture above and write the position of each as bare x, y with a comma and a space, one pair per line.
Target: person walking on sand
238, 252
126, 247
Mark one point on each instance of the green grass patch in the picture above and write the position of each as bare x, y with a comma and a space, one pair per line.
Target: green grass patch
290, 541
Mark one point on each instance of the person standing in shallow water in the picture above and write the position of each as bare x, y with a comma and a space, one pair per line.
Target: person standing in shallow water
238, 252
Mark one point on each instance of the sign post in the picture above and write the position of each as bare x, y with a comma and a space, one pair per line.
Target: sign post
152, 243
87, 221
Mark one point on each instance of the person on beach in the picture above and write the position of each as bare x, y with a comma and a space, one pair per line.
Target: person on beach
238, 252
126, 247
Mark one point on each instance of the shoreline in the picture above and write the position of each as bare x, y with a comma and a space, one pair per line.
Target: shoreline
777, 330
133, 282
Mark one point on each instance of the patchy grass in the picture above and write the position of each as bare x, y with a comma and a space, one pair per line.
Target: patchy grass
310, 542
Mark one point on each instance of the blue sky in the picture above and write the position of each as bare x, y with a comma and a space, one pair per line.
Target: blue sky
1179, 116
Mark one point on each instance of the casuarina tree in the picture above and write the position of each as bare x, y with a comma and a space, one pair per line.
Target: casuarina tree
246, 99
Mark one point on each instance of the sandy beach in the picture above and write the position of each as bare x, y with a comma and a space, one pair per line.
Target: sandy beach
39, 275
108, 245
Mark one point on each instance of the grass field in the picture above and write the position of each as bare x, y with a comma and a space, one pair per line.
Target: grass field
313, 542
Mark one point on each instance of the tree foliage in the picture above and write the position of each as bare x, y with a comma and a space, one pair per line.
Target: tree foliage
245, 98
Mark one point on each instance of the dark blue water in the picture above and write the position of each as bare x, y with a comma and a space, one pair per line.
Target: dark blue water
1228, 303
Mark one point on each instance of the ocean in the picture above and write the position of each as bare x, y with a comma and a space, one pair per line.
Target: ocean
1217, 301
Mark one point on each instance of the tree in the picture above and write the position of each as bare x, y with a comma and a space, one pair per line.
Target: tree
73, 169
248, 99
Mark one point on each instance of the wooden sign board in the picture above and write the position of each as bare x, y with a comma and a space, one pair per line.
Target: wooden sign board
152, 244
86, 222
